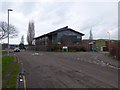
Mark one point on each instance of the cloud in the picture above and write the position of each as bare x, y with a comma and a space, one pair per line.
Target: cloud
49, 16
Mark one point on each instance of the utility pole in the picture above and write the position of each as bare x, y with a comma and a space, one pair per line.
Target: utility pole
8, 29
109, 33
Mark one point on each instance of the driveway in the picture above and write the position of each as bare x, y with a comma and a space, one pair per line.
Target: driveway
67, 70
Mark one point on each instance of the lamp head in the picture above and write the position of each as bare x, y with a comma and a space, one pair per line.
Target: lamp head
10, 10
109, 32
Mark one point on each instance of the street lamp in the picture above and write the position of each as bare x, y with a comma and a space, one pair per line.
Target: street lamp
109, 33
8, 29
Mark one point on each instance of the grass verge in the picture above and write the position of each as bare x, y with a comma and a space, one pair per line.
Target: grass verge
0, 68
10, 70
0, 72
3, 52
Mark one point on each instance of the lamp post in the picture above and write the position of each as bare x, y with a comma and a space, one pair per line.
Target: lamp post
109, 33
8, 29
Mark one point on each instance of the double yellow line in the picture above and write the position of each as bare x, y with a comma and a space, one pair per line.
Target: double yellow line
24, 80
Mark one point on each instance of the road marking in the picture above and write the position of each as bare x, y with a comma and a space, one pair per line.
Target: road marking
36, 54
24, 82
102, 63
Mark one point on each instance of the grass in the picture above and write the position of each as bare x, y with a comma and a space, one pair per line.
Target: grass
3, 52
0, 67
10, 70
6, 62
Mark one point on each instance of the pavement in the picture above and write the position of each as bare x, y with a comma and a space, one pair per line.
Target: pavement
112, 61
68, 70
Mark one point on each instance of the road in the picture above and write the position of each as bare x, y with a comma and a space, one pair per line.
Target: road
67, 70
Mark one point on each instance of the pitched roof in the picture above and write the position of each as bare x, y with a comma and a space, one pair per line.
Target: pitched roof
59, 30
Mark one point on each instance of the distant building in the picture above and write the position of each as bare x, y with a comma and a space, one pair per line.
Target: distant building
102, 45
85, 44
57, 39
89, 45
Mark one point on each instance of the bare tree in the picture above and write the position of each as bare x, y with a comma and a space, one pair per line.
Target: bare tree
4, 30
22, 39
30, 33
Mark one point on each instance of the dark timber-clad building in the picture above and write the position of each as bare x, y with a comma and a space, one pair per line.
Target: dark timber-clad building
57, 39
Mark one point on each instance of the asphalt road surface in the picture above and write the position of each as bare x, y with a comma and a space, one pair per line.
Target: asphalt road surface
66, 70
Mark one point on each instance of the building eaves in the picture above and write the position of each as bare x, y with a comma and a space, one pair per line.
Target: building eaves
59, 30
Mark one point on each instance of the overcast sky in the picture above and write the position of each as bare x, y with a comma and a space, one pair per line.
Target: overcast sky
49, 16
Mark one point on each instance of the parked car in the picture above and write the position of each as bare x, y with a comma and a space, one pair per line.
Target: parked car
16, 50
